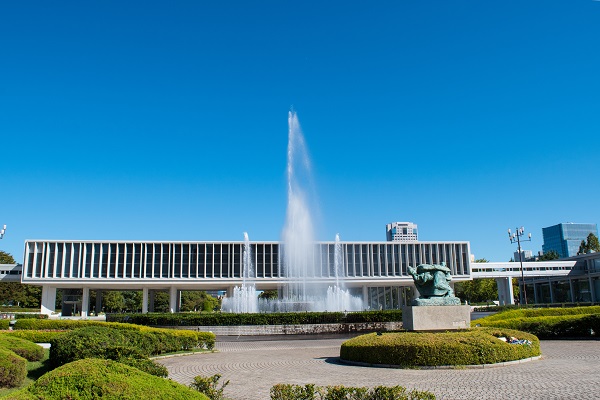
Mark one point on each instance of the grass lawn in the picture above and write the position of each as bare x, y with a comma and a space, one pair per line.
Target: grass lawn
35, 369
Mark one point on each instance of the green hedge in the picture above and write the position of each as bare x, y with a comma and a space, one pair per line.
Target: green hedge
13, 369
95, 378
35, 336
24, 348
312, 392
551, 327
539, 312
412, 349
31, 316
231, 319
4, 324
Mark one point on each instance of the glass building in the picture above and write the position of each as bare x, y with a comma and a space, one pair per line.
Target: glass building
565, 238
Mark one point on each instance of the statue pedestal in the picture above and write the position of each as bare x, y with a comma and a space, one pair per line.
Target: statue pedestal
436, 318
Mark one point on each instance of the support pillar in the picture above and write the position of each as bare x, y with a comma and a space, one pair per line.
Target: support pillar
572, 292
48, 300
505, 291
365, 296
151, 300
173, 306
535, 293
230, 291
145, 300
550, 284
85, 302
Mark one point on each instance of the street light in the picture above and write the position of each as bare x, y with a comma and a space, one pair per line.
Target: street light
516, 238
2, 232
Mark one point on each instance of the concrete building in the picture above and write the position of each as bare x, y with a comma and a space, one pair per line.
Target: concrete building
565, 238
377, 271
401, 232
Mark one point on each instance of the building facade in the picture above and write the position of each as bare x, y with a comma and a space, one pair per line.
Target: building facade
375, 270
401, 232
565, 238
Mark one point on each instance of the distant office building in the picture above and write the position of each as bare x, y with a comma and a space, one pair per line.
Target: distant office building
527, 255
565, 238
401, 232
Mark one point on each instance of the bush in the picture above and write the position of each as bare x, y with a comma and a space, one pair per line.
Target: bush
231, 319
413, 349
35, 336
13, 369
539, 312
26, 349
4, 324
551, 327
31, 316
311, 392
94, 378
209, 386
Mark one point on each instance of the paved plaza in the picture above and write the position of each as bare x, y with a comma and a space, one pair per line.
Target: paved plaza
569, 369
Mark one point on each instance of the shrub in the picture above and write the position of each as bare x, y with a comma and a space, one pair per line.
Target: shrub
94, 378
31, 316
35, 336
413, 349
26, 349
551, 327
4, 324
209, 386
539, 312
13, 368
229, 319
312, 392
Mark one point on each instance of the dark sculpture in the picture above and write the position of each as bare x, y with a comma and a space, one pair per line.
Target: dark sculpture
433, 283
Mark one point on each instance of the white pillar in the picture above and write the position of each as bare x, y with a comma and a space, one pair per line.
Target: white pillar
85, 302
505, 291
144, 300
365, 295
173, 299
48, 300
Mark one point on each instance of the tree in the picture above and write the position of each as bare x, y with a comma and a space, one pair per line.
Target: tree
591, 246
6, 258
113, 301
477, 290
269, 294
198, 301
549, 256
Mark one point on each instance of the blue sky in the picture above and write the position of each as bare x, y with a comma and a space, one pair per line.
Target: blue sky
157, 120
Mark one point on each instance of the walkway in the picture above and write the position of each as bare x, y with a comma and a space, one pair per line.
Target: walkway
569, 370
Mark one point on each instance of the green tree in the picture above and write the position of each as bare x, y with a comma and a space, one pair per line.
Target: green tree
549, 256
6, 258
113, 301
591, 246
198, 301
269, 294
161, 302
477, 290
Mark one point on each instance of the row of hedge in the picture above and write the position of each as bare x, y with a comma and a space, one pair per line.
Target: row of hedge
14, 354
550, 327
542, 312
312, 392
231, 319
534, 305
414, 349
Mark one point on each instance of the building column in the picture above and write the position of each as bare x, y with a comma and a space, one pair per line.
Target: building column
144, 300
230, 291
85, 302
572, 292
505, 291
98, 301
151, 300
535, 292
365, 296
48, 300
173, 306
550, 284
594, 297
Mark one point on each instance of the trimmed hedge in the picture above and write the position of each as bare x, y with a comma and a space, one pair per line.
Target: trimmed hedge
31, 316
95, 378
4, 324
26, 349
13, 369
412, 349
551, 327
231, 319
540, 312
35, 336
311, 392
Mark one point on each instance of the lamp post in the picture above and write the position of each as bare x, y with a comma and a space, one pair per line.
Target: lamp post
516, 238
2, 232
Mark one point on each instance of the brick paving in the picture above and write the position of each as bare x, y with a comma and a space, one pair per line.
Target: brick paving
569, 369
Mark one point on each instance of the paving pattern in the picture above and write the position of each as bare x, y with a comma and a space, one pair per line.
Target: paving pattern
569, 369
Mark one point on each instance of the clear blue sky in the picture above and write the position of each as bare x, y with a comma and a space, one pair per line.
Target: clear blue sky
156, 120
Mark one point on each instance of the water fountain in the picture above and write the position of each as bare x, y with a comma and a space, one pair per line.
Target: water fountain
301, 292
244, 299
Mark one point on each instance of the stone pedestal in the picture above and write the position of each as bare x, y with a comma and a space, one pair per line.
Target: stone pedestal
436, 318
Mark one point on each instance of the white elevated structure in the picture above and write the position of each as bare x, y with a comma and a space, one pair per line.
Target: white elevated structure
10, 272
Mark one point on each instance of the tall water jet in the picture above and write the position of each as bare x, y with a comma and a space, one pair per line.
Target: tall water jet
297, 235
244, 298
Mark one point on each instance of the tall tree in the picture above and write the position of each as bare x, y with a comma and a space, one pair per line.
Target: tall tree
549, 256
591, 246
6, 258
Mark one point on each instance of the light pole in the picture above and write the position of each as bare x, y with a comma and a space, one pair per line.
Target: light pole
516, 238
2, 232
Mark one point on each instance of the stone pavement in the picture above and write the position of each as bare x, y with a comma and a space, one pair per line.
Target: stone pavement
569, 369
